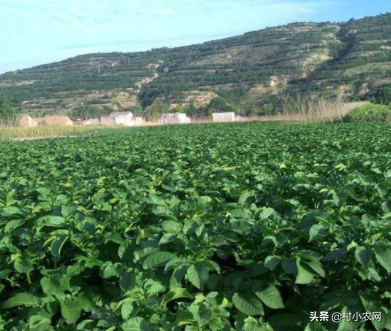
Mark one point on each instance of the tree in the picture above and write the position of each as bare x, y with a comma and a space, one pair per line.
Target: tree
219, 105
136, 110
86, 112
269, 109
153, 112
250, 108
7, 112
192, 109
179, 109
383, 95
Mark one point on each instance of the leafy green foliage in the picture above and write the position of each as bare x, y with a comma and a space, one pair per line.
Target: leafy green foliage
154, 111
245, 226
179, 109
219, 105
369, 113
7, 112
381, 95
87, 112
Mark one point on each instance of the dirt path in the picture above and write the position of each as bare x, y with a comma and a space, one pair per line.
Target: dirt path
148, 80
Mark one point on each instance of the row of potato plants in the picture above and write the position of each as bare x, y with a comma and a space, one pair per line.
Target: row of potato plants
244, 226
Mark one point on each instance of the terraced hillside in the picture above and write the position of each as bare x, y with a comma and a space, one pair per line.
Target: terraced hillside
362, 62
97, 79
352, 58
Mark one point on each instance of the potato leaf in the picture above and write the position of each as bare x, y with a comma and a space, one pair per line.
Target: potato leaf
21, 299
158, 259
70, 310
198, 275
248, 304
135, 324
271, 297
383, 256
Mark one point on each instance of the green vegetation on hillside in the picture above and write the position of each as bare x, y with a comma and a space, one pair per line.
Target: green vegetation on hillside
206, 227
86, 112
381, 95
369, 113
360, 64
219, 105
7, 112
251, 71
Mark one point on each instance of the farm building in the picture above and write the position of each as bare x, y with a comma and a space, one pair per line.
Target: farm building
174, 118
119, 118
108, 120
223, 117
54, 120
92, 121
25, 121
123, 118
139, 121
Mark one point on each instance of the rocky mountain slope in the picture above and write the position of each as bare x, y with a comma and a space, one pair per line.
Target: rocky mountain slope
350, 59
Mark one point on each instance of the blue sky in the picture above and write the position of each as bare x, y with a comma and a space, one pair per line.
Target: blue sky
35, 32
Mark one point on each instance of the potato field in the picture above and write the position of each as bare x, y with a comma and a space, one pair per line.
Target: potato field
247, 226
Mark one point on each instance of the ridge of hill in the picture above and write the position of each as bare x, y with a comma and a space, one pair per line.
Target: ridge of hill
351, 59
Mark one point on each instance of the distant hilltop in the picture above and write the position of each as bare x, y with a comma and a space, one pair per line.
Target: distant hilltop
248, 73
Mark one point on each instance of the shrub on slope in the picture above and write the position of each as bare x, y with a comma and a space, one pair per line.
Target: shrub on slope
369, 113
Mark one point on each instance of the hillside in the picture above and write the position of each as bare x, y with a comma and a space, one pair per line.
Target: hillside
351, 59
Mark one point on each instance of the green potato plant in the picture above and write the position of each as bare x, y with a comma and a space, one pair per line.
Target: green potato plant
244, 226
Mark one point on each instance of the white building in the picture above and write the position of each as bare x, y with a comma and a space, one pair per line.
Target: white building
25, 121
119, 118
223, 117
174, 118
91, 121
108, 120
139, 121
54, 120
